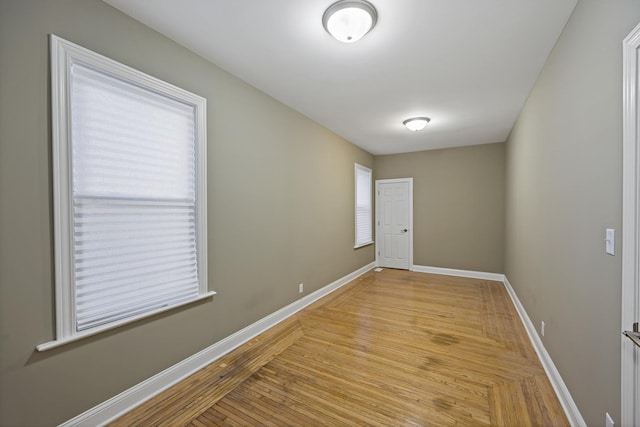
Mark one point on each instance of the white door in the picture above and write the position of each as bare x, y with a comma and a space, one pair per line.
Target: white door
630, 375
394, 223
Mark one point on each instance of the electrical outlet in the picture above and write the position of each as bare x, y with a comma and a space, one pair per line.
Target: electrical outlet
542, 328
301, 288
608, 421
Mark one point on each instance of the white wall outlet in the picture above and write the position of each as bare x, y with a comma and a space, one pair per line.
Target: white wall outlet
301, 288
610, 241
542, 328
608, 421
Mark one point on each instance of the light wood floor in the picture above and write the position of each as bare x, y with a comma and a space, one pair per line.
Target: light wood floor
390, 348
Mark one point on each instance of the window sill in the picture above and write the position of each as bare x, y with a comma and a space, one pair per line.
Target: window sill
362, 245
76, 337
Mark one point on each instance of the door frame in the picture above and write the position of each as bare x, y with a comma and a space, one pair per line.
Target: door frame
630, 355
377, 217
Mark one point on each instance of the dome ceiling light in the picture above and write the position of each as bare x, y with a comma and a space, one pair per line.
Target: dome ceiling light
349, 20
416, 123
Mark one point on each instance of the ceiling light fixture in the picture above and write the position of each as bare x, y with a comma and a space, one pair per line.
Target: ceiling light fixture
416, 123
349, 20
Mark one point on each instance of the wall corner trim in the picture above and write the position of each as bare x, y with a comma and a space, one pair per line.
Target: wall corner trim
569, 406
122, 403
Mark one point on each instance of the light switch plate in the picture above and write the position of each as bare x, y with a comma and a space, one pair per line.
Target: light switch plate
610, 241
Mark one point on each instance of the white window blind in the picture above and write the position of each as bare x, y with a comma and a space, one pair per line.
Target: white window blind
134, 203
364, 229
129, 192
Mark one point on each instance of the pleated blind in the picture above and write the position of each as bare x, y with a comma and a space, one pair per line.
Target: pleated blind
134, 199
363, 205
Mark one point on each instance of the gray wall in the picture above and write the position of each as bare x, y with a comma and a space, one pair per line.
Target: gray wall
458, 212
564, 174
280, 213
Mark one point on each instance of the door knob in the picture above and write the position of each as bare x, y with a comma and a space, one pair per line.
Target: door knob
404, 231
633, 336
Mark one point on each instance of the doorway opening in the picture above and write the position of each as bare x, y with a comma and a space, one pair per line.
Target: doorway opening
630, 372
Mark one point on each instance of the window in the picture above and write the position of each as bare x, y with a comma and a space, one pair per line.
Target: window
364, 227
129, 170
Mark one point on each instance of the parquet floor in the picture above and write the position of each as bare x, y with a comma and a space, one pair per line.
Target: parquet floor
390, 348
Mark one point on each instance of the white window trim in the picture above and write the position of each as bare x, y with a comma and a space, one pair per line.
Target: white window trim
63, 55
357, 167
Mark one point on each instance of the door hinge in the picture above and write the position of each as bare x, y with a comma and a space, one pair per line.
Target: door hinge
635, 327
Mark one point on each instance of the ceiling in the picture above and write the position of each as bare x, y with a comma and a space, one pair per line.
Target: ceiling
467, 64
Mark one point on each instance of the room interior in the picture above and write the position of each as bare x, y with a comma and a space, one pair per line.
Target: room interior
529, 198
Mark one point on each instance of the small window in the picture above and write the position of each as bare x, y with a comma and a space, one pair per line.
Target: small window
364, 230
129, 170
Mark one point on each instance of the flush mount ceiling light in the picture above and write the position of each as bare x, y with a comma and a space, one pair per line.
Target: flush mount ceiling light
349, 20
416, 123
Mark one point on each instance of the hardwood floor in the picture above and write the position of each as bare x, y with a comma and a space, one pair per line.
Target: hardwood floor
390, 348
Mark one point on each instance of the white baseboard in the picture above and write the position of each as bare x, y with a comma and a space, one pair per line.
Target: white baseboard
569, 406
460, 273
138, 394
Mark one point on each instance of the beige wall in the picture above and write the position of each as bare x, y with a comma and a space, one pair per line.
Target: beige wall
564, 174
280, 213
458, 212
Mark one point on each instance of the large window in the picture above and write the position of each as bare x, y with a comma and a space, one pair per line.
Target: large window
364, 231
129, 166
